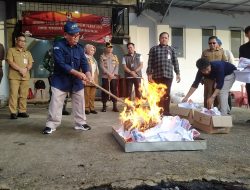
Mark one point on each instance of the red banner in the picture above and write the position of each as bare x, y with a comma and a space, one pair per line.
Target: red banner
46, 24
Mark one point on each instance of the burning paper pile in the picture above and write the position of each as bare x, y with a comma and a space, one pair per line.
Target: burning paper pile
142, 120
144, 113
168, 129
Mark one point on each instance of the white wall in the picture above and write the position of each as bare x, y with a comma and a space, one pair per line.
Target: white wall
145, 29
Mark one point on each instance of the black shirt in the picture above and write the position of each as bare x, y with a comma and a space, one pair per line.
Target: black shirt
245, 50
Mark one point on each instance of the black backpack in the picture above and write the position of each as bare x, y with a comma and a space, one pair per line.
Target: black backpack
40, 84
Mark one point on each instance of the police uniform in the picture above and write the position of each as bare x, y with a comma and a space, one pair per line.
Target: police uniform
19, 85
109, 65
67, 58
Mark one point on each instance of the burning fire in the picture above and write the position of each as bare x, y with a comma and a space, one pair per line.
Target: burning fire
144, 113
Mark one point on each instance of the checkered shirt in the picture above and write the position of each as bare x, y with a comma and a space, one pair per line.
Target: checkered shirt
161, 62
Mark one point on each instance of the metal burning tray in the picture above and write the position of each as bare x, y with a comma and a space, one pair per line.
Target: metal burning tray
198, 144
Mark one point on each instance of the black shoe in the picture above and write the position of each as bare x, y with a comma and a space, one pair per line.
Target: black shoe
64, 112
248, 121
115, 109
24, 115
104, 110
13, 116
48, 130
87, 112
93, 111
84, 127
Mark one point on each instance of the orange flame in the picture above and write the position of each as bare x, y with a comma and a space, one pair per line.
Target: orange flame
144, 113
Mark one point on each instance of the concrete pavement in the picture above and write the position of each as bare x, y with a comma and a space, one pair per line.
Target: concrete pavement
70, 159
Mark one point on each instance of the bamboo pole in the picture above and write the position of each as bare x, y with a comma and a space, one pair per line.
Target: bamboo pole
109, 93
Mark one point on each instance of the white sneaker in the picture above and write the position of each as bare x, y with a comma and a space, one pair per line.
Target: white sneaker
48, 130
83, 127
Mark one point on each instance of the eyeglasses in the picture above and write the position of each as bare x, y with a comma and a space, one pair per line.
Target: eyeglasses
74, 35
22, 41
211, 43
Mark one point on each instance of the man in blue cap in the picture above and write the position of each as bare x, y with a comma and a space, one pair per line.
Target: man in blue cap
70, 70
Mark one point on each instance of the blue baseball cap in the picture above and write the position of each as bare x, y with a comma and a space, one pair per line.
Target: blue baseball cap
71, 27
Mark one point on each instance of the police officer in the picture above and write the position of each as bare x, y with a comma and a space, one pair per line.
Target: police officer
110, 65
70, 70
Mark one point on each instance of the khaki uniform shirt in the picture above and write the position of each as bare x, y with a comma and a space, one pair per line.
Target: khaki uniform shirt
109, 65
23, 59
214, 55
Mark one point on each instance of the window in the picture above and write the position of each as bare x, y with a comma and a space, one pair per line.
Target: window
178, 41
235, 42
206, 33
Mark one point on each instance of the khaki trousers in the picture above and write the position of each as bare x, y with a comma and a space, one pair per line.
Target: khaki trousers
56, 105
89, 94
18, 95
208, 91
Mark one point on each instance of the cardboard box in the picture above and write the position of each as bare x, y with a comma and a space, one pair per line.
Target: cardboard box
182, 112
212, 124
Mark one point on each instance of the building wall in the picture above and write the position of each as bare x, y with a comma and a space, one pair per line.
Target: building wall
146, 28
4, 82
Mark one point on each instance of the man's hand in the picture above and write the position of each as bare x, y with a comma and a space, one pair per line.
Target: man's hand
178, 78
81, 76
89, 77
184, 99
134, 74
23, 71
78, 74
111, 76
210, 102
150, 78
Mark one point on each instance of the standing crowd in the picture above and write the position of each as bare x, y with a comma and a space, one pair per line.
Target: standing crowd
74, 72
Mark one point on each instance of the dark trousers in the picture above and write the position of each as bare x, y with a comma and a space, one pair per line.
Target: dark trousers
113, 89
248, 92
165, 100
136, 82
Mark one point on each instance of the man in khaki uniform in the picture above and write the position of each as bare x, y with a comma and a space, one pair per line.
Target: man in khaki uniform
214, 53
1, 59
20, 62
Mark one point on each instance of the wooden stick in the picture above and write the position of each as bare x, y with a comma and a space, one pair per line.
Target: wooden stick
109, 93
